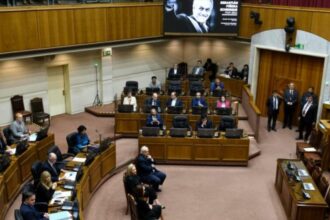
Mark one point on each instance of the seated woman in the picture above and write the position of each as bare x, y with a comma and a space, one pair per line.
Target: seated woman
132, 181
130, 100
223, 103
204, 122
82, 139
27, 208
45, 188
146, 211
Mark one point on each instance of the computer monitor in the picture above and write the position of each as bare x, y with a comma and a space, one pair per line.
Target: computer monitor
125, 108
197, 110
178, 132
150, 91
21, 147
205, 132
219, 93
150, 131
90, 158
174, 109
104, 144
224, 111
234, 133
42, 133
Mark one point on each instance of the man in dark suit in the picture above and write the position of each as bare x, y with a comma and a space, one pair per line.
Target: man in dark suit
50, 166
217, 85
3, 145
27, 208
198, 70
232, 71
307, 118
154, 102
310, 92
174, 101
273, 105
198, 101
204, 122
175, 72
154, 119
290, 103
147, 171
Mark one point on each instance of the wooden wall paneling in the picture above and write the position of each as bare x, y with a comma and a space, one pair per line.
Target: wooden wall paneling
247, 27
3, 199
90, 25
108, 160
95, 174
56, 28
302, 18
25, 162
142, 15
320, 20
18, 31
120, 22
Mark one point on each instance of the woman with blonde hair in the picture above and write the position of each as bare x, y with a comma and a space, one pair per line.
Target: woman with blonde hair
132, 181
45, 188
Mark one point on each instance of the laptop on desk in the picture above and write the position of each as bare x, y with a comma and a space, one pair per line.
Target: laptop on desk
125, 108
150, 131
178, 132
174, 109
234, 133
205, 132
224, 111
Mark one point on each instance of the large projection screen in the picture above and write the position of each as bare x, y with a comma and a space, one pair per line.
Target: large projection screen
201, 17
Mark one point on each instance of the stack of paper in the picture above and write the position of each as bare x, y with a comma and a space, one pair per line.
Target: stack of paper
70, 175
33, 137
308, 186
302, 172
64, 215
11, 151
79, 159
309, 149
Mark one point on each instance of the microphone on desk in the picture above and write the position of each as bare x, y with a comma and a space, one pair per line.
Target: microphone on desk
100, 136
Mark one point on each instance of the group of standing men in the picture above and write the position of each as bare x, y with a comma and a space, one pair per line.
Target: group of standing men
307, 112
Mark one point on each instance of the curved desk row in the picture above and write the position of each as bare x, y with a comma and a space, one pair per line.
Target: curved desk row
131, 123
19, 171
194, 150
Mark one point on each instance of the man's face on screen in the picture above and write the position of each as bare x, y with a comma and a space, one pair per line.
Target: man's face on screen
202, 10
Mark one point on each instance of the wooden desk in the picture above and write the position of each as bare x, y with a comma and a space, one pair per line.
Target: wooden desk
295, 206
130, 123
3, 199
233, 86
194, 150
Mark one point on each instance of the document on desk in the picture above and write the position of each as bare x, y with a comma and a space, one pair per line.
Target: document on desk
302, 173
11, 151
308, 186
33, 137
79, 159
309, 149
64, 215
70, 175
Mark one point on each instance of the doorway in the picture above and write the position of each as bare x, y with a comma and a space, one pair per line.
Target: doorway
58, 90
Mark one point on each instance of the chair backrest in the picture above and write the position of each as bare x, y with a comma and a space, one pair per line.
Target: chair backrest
17, 104
196, 85
7, 133
180, 121
36, 171
183, 67
55, 149
132, 84
71, 141
18, 215
227, 122
37, 105
132, 207
315, 138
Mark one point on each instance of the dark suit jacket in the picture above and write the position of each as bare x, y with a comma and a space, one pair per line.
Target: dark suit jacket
270, 104
43, 194
3, 146
177, 103
194, 102
47, 166
290, 98
209, 124
149, 102
306, 95
178, 74
214, 86
30, 213
310, 116
144, 165
149, 121
234, 73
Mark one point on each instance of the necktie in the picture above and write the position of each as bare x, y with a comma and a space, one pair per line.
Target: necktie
291, 92
153, 103
202, 27
304, 111
275, 103
53, 168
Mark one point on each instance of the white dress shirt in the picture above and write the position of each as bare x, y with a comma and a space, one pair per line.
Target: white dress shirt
130, 101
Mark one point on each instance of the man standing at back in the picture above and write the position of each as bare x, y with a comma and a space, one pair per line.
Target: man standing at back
307, 118
273, 105
290, 103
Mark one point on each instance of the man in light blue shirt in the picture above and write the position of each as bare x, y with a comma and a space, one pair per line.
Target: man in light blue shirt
18, 129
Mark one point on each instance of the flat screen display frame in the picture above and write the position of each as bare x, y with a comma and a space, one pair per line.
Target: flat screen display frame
201, 17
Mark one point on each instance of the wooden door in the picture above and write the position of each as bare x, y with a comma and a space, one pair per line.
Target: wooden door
278, 69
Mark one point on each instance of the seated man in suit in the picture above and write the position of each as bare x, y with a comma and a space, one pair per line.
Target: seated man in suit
130, 100
204, 122
232, 71
154, 102
307, 118
50, 166
147, 171
27, 208
154, 83
82, 139
18, 130
174, 101
217, 85
198, 70
198, 101
175, 72
154, 119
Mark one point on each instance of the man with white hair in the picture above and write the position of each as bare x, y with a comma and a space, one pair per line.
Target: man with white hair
18, 129
50, 166
147, 171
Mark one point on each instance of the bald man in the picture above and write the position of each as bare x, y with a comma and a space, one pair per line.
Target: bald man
18, 129
50, 166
